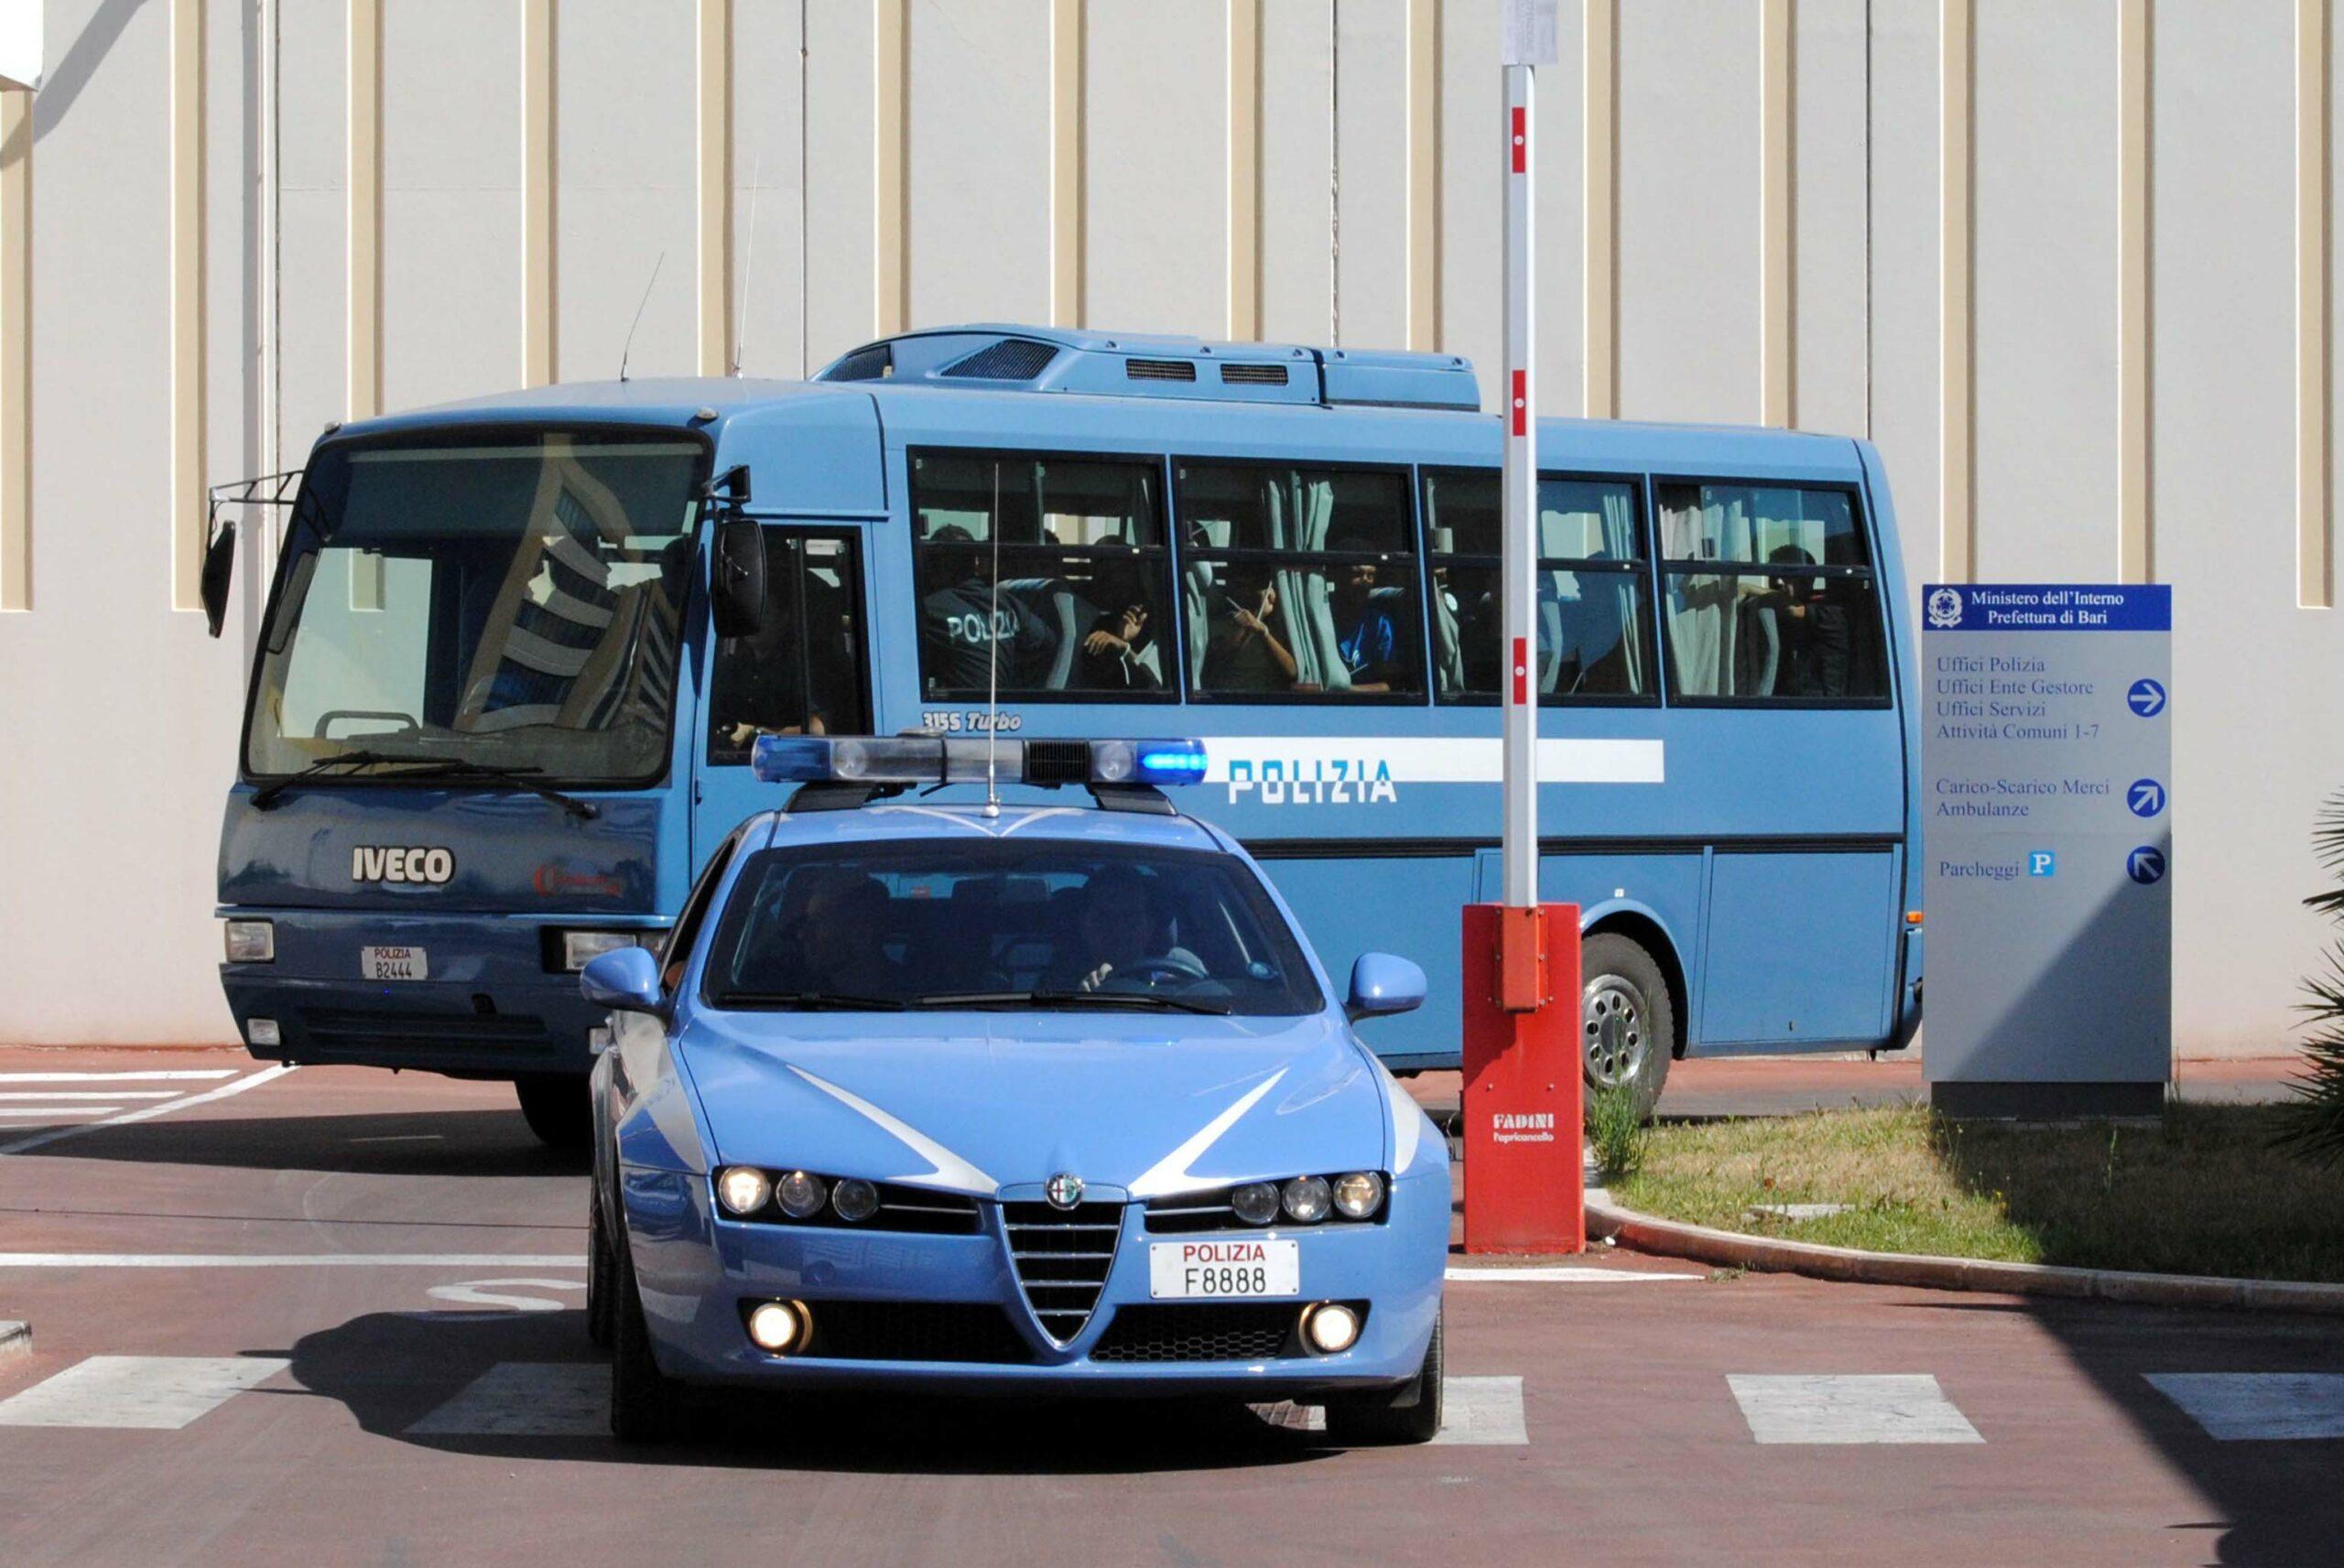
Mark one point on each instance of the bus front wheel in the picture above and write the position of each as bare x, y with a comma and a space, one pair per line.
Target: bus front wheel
556, 1106
1627, 1026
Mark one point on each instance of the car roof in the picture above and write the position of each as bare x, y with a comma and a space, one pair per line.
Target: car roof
1031, 822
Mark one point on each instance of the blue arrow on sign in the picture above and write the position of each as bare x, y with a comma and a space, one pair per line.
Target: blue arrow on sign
2146, 797
2147, 699
2146, 865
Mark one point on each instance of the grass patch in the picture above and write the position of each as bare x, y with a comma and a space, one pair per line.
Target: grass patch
2202, 1193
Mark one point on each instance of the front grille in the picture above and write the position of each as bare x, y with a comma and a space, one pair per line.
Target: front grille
913, 1331
1204, 1331
1253, 374
353, 1028
1159, 370
1062, 1257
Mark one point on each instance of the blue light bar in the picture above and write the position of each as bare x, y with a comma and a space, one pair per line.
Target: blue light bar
923, 760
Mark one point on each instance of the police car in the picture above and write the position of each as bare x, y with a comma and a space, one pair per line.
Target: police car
1006, 1097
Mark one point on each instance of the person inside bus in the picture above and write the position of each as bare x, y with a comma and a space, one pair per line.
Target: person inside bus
1243, 654
1114, 654
1366, 635
759, 687
1120, 933
1817, 642
967, 626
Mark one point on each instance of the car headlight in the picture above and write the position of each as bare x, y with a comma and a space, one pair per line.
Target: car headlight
854, 1198
1255, 1202
743, 1189
578, 948
802, 1195
1357, 1195
1306, 1199
251, 942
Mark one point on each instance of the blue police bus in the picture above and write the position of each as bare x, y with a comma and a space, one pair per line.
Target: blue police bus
518, 650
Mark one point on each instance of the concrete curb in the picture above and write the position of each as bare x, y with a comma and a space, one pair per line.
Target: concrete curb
15, 1338
1728, 1248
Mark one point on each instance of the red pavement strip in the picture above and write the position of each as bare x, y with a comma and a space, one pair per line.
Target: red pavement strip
1639, 1451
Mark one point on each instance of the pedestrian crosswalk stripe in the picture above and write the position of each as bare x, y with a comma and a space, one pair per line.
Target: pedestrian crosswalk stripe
2258, 1407
160, 1393
11, 1100
526, 1399
34, 1115
1808, 1407
175, 1074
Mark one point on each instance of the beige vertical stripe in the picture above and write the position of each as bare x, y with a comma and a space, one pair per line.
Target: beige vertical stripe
15, 351
186, 509
1777, 289
1244, 169
715, 159
1424, 174
1066, 160
890, 138
536, 193
2314, 565
2135, 557
363, 392
1600, 193
1957, 549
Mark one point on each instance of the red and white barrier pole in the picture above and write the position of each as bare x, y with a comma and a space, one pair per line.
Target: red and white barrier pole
1523, 1105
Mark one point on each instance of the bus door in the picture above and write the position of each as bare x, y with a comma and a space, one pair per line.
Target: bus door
806, 671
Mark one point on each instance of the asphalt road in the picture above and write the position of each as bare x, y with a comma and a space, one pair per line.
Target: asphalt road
332, 1316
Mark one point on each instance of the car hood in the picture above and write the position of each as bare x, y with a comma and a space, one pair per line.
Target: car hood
986, 1103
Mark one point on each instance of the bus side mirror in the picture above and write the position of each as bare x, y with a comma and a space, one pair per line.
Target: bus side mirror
1383, 984
736, 585
219, 569
626, 980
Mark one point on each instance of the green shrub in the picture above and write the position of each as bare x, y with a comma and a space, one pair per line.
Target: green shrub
2315, 1126
1615, 1125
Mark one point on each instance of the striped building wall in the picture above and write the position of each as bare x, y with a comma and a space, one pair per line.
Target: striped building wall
2070, 264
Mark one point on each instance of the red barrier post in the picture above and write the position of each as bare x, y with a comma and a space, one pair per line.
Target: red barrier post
1523, 1105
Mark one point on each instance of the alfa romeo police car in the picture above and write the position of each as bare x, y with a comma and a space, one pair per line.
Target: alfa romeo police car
1004, 1097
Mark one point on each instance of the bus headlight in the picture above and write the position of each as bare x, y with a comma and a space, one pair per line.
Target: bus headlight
1359, 1195
251, 942
743, 1189
578, 947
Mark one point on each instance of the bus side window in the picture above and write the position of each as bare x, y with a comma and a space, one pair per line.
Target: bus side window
1593, 629
1082, 605
1299, 582
802, 672
1769, 595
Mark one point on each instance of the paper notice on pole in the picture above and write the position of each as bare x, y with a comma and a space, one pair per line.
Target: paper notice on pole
1530, 32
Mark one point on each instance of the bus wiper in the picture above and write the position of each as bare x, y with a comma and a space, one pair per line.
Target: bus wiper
1074, 999
813, 1001
427, 769
265, 796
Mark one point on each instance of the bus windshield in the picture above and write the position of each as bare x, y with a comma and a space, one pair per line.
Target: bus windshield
499, 601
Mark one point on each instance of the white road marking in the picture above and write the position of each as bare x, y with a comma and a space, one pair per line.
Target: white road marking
175, 1074
2258, 1407
290, 1260
160, 1393
41, 1115
526, 1399
495, 1294
1560, 1274
1483, 1412
1897, 1408
10, 1096
147, 1113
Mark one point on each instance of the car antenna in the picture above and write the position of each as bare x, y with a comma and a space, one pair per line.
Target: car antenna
628, 347
748, 267
992, 662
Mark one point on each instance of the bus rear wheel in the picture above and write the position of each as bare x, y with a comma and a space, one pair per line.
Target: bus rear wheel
554, 1106
1627, 1025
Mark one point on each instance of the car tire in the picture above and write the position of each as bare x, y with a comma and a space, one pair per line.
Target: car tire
643, 1399
556, 1109
601, 1270
1627, 1021
1412, 1414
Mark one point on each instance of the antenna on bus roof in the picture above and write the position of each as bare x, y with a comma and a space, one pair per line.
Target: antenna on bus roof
748, 266
992, 660
628, 347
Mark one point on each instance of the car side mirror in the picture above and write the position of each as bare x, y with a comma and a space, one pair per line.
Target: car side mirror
626, 980
1383, 984
218, 573
736, 583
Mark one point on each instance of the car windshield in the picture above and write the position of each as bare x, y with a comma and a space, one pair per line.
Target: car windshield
510, 602
1006, 924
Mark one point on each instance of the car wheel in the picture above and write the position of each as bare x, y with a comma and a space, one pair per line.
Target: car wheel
1411, 1415
643, 1399
600, 1269
1627, 1024
556, 1109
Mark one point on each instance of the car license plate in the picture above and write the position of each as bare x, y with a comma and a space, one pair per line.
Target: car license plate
1182, 1268
393, 963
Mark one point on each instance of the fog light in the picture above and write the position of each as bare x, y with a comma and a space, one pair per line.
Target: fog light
743, 1188
1306, 1199
854, 1198
802, 1196
1255, 1202
1359, 1195
251, 942
263, 1032
1330, 1328
578, 947
779, 1327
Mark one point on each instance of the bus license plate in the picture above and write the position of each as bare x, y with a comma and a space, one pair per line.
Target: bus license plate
1184, 1269
393, 963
